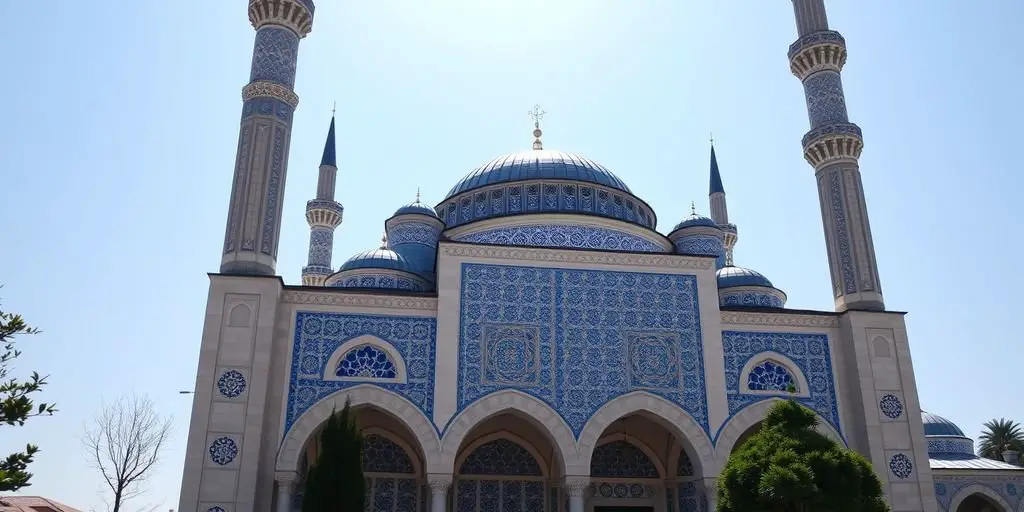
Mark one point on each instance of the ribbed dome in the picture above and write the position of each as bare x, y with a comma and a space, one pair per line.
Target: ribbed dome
538, 164
729, 277
416, 207
695, 220
376, 258
935, 425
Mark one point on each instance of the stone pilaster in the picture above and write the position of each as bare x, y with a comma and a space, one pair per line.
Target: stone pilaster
439, 486
575, 488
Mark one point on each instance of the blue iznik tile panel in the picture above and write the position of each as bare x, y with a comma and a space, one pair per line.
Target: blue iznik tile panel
275, 54
825, 102
318, 335
580, 237
579, 338
1010, 487
809, 351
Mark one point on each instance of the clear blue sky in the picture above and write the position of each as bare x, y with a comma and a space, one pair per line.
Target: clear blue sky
122, 121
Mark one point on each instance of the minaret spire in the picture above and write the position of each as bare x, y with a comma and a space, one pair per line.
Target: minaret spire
324, 215
719, 209
833, 147
537, 114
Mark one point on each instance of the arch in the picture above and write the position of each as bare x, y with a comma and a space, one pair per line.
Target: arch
498, 436
881, 346
417, 466
803, 390
680, 455
363, 395
979, 489
636, 444
673, 417
331, 368
507, 400
750, 416
239, 316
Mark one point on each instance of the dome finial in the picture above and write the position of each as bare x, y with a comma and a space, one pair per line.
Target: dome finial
537, 114
417, 194
384, 240
693, 209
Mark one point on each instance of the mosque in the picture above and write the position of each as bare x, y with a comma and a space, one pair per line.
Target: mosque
532, 342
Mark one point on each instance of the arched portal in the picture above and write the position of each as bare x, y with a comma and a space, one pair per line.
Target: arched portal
502, 471
979, 503
978, 498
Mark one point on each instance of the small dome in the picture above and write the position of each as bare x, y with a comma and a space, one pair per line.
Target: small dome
535, 165
729, 277
935, 425
695, 220
416, 207
376, 258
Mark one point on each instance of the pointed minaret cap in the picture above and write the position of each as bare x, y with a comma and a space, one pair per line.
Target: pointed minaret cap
330, 157
716, 178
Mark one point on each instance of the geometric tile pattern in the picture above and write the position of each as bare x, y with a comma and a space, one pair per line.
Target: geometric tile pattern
849, 282
321, 244
620, 459
594, 335
1010, 488
727, 298
223, 450
684, 467
687, 497
524, 491
500, 457
580, 237
366, 361
810, 352
825, 102
770, 376
951, 446
381, 281
274, 56
901, 466
382, 455
231, 383
891, 406
318, 335
700, 244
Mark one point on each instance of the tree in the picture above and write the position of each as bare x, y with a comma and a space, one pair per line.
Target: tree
1000, 435
335, 481
788, 466
16, 406
124, 443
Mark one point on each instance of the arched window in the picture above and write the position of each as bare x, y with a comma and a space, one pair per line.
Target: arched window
621, 459
367, 362
500, 476
685, 466
770, 376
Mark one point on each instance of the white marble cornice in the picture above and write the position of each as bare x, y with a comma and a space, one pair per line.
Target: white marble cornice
358, 300
778, 319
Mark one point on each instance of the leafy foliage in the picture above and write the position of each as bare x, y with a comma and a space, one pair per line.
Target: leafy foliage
788, 466
16, 405
1000, 435
335, 481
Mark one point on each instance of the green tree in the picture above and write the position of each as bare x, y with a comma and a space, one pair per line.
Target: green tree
788, 466
335, 481
1000, 435
16, 405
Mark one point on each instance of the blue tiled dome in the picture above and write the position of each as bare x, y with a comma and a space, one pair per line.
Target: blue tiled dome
695, 220
376, 258
935, 425
729, 277
538, 164
416, 207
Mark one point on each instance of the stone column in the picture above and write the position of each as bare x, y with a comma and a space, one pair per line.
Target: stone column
439, 485
575, 487
710, 491
285, 483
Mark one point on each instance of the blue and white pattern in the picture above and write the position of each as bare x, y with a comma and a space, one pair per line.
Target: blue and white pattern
511, 354
831, 129
688, 496
749, 299
274, 56
382, 455
891, 406
770, 376
823, 36
579, 237
215, 509
839, 221
901, 466
956, 446
589, 324
321, 245
367, 362
825, 101
811, 354
684, 466
621, 459
271, 220
500, 457
948, 487
413, 233
223, 450
262, 106
231, 383
706, 245
384, 281
622, 490
318, 335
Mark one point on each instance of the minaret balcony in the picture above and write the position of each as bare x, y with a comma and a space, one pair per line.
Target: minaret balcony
324, 212
820, 51
833, 143
296, 15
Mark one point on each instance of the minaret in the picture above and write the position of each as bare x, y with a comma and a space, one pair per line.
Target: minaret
719, 210
324, 216
833, 147
261, 163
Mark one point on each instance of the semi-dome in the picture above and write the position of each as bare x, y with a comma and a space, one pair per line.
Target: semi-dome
377, 258
731, 276
696, 220
537, 165
935, 425
416, 208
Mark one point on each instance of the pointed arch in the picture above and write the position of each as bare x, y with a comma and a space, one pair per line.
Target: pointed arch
670, 415
363, 395
394, 357
748, 417
803, 390
982, 490
608, 442
506, 400
502, 435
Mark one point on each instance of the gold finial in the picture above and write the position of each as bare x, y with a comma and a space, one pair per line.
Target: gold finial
537, 114
384, 240
693, 209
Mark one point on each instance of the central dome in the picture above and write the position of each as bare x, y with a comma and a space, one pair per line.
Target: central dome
536, 165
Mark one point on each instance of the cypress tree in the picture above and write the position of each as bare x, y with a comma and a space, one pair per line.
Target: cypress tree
335, 480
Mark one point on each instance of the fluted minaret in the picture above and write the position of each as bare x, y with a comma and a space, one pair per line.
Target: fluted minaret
833, 147
324, 216
261, 163
719, 210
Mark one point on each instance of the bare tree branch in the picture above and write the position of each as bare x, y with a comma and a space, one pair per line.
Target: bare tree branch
124, 443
